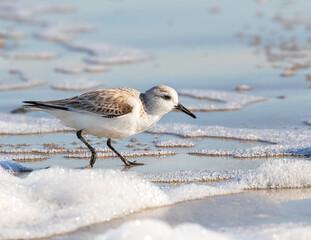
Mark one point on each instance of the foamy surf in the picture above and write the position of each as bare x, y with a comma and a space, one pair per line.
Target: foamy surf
160, 230
59, 200
156, 229
11, 124
279, 142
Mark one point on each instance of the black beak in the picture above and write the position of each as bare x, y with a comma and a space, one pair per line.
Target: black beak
185, 110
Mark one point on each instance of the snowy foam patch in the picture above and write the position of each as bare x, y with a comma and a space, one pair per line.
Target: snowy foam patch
12, 34
283, 143
11, 124
193, 176
36, 56
125, 154
62, 31
57, 200
282, 231
104, 53
160, 230
70, 69
75, 84
282, 173
28, 81
282, 55
50, 151
275, 174
21, 11
23, 157
226, 100
174, 143
96, 69
81, 69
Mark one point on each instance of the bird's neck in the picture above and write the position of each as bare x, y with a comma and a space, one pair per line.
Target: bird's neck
151, 108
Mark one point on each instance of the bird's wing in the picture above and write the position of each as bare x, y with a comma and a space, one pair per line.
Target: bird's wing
108, 102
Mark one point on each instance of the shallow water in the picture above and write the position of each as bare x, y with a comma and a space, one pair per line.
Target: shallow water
187, 45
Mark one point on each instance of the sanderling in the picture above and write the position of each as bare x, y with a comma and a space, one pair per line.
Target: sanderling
112, 113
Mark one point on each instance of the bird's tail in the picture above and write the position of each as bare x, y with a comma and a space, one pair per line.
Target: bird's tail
37, 105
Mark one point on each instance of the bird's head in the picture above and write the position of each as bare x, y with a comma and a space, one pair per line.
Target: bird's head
163, 99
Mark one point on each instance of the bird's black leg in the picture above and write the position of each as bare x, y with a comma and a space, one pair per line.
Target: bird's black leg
94, 155
126, 162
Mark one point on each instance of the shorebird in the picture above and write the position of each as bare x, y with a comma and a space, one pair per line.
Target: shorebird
112, 113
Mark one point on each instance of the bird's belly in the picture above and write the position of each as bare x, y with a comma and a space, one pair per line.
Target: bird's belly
97, 125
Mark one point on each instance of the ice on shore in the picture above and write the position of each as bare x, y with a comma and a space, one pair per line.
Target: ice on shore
11, 124
280, 143
59, 200
225, 100
104, 53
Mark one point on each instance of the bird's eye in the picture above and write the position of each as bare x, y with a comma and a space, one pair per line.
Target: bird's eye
167, 97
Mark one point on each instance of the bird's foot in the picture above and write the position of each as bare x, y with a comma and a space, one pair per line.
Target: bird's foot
129, 165
134, 163
86, 167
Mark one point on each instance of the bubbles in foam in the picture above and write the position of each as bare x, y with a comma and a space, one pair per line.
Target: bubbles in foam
59, 200
156, 230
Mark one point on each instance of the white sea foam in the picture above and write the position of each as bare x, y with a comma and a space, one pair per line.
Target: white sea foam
96, 68
63, 31
75, 84
159, 230
58, 200
21, 11
283, 143
104, 53
12, 34
193, 176
226, 100
49, 151
155, 229
36, 56
28, 81
125, 154
282, 173
11, 124
70, 69
80, 69
174, 143
23, 157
